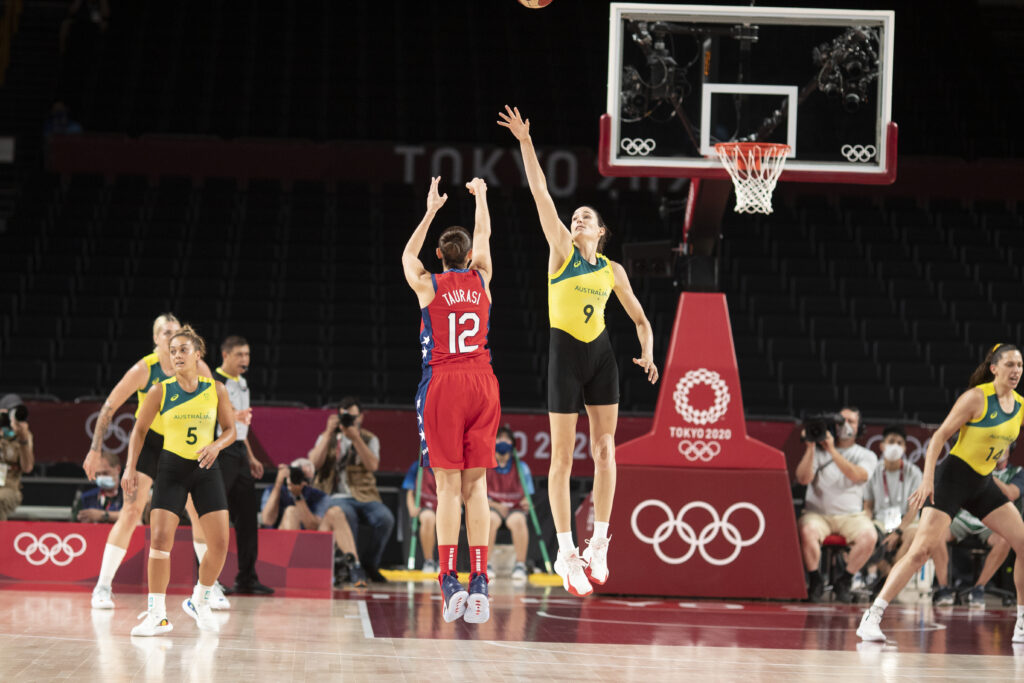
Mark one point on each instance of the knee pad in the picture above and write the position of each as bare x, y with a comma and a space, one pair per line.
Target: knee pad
159, 554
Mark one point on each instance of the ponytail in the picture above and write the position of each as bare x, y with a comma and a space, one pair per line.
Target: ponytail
983, 373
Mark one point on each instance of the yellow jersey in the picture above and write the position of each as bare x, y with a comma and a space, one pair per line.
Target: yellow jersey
189, 419
156, 375
981, 443
577, 295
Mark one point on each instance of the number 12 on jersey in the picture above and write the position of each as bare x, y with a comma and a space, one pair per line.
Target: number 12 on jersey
470, 325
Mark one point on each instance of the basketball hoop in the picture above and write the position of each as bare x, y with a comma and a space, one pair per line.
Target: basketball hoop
754, 167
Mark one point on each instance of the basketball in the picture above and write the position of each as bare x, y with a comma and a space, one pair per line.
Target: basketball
535, 4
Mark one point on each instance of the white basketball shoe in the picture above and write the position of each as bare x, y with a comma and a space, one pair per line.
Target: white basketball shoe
870, 626
596, 557
202, 614
152, 625
218, 600
102, 598
570, 566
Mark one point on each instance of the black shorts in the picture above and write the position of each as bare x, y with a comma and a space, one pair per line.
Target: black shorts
957, 486
149, 456
581, 373
178, 477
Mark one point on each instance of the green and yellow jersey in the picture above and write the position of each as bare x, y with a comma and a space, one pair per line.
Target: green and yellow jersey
577, 295
189, 418
156, 375
981, 443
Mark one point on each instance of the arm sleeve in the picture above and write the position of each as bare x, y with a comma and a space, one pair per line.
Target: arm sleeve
869, 488
409, 483
266, 496
867, 460
374, 445
528, 478
1018, 481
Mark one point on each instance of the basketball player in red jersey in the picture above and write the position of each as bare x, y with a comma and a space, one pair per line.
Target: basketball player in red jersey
457, 404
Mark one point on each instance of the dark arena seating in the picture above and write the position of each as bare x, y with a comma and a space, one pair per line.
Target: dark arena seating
881, 300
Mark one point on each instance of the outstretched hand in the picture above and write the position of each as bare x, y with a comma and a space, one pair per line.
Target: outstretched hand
477, 187
513, 120
434, 200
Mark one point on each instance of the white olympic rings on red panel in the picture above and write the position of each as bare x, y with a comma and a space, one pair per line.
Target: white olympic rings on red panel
115, 429
698, 541
711, 379
860, 153
638, 146
699, 450
49, 548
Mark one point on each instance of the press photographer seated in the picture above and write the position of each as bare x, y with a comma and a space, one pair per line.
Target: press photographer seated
835, 470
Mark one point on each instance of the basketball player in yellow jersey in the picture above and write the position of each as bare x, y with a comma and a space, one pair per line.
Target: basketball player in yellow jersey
150, 370
988, 418
581, 365
190, 407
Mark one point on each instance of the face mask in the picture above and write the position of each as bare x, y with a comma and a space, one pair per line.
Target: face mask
503, 447
892, 452
105, 481
846, 431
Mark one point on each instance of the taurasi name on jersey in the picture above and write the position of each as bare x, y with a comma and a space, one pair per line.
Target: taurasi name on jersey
460, 295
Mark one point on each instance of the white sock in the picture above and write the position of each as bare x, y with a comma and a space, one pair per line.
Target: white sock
201, 594
157, 605
200, 549
600, 530
565, 542
1020, 611
112, 557
880, 604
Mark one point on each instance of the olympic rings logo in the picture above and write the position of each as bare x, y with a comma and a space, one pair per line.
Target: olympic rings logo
699, 450
698, 541
859, 153
49, 548
641, 146
115, 429
708, 378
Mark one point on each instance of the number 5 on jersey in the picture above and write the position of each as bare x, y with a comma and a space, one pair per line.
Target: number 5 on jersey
458, 345
191, 438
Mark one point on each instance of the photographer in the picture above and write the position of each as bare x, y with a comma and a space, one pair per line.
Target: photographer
102, 503
886, 500
835, 470
291, 503
345, 457
16, 454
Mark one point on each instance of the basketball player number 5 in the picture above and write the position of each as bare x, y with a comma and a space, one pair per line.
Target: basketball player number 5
191, 436
461, 346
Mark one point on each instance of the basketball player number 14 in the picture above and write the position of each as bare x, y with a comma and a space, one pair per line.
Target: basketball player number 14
467, 332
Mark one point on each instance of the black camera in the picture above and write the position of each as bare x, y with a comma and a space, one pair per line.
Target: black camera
296, 475
345, 420
20, 414
819, 424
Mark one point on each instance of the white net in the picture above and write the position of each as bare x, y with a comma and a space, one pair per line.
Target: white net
754, 169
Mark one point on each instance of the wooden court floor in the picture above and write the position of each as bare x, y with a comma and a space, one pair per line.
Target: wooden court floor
394, 632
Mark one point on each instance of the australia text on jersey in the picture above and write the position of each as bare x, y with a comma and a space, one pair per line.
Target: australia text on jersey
590, 290
457, 296
188, 416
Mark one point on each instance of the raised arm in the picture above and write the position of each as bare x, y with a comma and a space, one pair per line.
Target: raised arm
132, 381
415, 274
644, 332
558, 237
481, 229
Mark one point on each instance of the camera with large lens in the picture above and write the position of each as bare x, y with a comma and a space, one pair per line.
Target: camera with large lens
816, 426
20, 414
296, 475
345, 420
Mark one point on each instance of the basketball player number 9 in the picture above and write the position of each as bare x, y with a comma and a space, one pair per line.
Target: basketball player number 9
588, 311
461, 346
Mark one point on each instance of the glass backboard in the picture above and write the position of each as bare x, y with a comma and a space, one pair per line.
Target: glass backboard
684, 77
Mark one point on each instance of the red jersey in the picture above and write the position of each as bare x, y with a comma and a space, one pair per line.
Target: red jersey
454, 325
